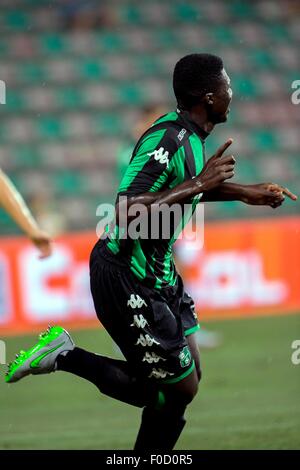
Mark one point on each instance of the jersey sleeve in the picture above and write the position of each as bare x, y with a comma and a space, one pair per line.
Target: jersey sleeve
150, 165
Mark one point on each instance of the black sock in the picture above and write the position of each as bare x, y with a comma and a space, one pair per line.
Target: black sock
159, 430
112, 377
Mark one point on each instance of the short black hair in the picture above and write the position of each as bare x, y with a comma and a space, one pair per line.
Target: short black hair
194, 75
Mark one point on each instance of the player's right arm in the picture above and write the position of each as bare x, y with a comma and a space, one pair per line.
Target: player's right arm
217, 169
13, 203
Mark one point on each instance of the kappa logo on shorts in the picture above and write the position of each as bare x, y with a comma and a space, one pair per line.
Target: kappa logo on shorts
136, 301
185, 357
139, 321
146, 341
152, 357
159, 373
161, 155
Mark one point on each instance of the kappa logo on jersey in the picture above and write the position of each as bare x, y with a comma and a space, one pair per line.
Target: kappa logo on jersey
136, 301
139, 321
185, 357
159, 373
152, 357
161, 155
181, 134
146, 341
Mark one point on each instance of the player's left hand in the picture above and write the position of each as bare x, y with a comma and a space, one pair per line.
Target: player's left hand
267, 194
43, 243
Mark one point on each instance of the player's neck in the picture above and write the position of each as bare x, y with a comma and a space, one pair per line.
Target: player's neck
199, 116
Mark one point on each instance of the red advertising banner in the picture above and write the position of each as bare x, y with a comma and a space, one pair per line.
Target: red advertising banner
36, 292
244, 269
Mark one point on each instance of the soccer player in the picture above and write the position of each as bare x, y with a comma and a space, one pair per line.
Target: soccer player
138, 295
12, 201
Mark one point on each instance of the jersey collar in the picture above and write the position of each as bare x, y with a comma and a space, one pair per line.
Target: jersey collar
184, 118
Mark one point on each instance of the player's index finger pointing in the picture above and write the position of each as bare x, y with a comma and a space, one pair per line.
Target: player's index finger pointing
289, 194
223, 147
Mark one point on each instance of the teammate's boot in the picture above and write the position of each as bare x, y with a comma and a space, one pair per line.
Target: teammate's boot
41, 358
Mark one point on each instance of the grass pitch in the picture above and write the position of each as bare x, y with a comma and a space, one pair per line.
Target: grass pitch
249, 397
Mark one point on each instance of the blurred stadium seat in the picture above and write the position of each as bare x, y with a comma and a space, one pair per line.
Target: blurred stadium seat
73, 90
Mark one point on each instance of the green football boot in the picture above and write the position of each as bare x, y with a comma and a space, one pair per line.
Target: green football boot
41, 358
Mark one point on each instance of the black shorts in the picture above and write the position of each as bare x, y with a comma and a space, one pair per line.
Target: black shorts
149, 326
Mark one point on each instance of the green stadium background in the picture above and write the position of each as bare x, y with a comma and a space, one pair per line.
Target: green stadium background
77, 75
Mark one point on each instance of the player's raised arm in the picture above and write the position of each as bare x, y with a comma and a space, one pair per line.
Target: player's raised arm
217, 169
12, 201
261, 194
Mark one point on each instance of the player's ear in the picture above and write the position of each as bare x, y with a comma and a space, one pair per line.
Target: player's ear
209, 98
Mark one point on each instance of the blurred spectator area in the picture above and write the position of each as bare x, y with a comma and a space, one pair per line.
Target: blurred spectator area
78, 72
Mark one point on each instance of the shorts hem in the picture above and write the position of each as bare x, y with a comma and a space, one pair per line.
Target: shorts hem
181, 377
